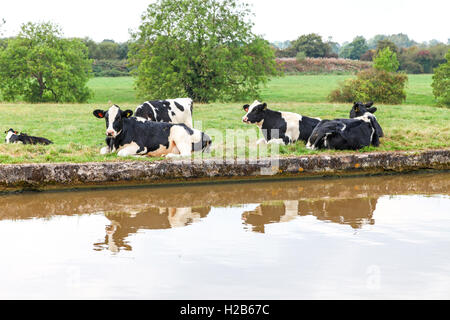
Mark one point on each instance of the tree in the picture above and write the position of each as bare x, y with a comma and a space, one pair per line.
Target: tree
441, 82
312, 45
387, 44
41, 66
386, 60
355, 49
204, 49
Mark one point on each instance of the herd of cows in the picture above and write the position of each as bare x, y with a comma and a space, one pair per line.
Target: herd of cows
164, 128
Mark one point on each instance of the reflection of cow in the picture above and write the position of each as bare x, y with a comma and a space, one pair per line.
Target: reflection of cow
354, 212
270, 213
124, 224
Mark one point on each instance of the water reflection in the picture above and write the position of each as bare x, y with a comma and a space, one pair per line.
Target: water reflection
123, 224
350, 201
352, 212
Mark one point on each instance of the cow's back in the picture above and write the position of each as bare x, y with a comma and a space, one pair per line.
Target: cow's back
171, 111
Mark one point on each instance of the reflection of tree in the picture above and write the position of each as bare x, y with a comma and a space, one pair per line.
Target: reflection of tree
123, 224
354, 212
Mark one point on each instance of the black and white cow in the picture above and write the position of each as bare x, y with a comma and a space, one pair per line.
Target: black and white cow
359, 109
172, 111
288, 127
132, 136
13, 136
345, 134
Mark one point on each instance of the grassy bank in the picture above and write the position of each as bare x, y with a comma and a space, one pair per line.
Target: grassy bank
78, 136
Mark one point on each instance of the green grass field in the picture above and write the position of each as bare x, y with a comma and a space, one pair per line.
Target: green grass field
298, 88
78, 136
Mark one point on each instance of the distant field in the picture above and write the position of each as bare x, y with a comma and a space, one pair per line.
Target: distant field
78, 136
295, 88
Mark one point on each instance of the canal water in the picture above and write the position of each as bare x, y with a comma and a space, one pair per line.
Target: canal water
353, 238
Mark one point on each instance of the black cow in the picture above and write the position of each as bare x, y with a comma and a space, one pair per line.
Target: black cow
359, 109
13, 136
132, 136
279, 127
171, 111
345, 134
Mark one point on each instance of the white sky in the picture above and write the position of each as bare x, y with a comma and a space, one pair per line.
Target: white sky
275, 19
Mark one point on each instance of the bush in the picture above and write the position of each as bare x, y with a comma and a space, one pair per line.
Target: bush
441, 82
301, 56
412, 67
372, 85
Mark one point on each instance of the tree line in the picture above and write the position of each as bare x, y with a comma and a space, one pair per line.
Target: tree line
413, 57
202, 49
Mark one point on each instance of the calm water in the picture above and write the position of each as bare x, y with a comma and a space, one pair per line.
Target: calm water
382, 237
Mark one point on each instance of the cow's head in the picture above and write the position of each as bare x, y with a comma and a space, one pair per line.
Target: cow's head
114, 119
359, 109
255, 112
9, 133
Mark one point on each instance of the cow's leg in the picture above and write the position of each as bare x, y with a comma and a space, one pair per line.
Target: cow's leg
260, 141
109, 147
276, 141
184, 148
105, 150
131, 149
182, 140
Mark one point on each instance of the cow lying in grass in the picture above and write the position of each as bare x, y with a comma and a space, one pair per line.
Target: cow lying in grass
172, 111
132, 136
13, 136
359, 109
279, 127
347, 134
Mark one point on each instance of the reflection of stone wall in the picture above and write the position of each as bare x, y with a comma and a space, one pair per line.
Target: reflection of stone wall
135, 200
38, 176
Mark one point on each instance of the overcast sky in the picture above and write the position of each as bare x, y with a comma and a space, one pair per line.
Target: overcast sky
275, 19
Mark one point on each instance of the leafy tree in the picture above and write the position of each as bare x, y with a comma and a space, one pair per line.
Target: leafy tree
401, 40
355, 49
204, 49
387, 44
40, 66
386, 60
312, 45
441, 82
334, 46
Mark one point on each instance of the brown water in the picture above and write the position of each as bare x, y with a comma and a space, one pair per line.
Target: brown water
380, 237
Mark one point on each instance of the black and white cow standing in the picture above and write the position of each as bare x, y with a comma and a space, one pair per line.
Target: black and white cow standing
288, 127
171, 110
13, 136
132, 136
346, 134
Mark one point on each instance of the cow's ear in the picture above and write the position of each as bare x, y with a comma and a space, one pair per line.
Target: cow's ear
369, 104
99, 113
127, 113
264, 106
372, 110
356, 107
246, 107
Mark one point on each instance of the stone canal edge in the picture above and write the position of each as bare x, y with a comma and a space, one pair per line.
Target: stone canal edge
47, 176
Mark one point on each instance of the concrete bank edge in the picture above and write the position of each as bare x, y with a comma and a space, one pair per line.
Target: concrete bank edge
19, 177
